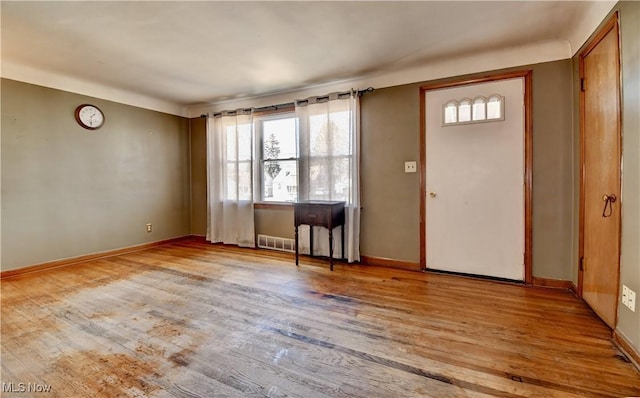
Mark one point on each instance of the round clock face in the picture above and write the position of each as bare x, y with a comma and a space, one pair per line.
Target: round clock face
89, 116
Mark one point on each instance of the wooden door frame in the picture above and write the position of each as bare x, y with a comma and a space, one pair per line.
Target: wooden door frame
528, 158
610, 25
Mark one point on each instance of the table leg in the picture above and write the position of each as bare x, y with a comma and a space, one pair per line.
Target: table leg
342, 236
296, 245
311, 240
331, 248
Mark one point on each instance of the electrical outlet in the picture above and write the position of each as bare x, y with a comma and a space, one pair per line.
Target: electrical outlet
410, 167
629, 298
149, 228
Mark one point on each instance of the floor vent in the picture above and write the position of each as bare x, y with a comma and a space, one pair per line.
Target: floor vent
276, 243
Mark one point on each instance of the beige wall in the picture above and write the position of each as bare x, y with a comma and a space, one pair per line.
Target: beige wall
198, 164
390, 221
390, 226
275, 222
67, 191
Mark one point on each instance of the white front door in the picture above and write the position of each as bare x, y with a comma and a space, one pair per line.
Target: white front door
475, 210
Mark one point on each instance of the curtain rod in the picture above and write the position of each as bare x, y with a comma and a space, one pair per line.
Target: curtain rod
288, 104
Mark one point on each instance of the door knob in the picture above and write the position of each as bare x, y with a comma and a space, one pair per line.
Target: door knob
612, 198
433, 194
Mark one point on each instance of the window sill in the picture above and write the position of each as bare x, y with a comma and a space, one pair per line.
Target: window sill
273, 205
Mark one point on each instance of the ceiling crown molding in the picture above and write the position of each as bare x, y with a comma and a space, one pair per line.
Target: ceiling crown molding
436, 69
29, 74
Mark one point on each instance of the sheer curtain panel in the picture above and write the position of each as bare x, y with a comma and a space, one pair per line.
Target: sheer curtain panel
230, 147
329, 139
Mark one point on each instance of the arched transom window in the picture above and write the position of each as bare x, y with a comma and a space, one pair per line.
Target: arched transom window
477, 110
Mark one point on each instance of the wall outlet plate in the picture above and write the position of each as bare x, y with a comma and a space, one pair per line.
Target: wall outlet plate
149, 228
629, 298
410, 167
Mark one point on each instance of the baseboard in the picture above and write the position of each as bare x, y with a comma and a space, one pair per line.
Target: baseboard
388, 262
553, 283
12, 273
475, 276
625, 346
573, 289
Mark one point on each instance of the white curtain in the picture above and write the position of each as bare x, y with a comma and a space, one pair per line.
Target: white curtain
230, 179
329, 139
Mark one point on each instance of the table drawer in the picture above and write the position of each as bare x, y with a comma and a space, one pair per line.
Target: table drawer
312, 215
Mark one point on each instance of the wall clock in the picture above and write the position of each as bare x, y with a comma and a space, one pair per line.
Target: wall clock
89, 116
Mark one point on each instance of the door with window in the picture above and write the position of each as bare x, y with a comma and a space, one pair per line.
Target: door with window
475, 168
600, 182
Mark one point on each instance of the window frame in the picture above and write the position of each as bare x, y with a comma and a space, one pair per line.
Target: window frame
259, 189
472, 102
236, 160
331, 157
258, 122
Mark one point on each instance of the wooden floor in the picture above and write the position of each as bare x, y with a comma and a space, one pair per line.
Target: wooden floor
191, 319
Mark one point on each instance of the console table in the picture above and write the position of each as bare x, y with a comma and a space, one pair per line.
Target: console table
316, 213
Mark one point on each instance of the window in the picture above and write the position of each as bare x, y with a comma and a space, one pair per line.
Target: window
495, 107
308, 151
464, 111
313, 165
239, 161
478, 110
329, 161
278, 157
451, 112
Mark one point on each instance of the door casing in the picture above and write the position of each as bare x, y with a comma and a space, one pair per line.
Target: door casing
528, 158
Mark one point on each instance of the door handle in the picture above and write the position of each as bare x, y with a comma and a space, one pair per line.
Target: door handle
433, 194
609, 200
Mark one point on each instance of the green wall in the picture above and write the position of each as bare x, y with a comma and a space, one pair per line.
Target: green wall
67, 191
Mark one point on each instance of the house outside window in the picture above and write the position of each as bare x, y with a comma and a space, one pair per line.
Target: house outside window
291, 167
278, 157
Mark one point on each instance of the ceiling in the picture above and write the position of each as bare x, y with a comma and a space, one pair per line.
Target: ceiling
202, 52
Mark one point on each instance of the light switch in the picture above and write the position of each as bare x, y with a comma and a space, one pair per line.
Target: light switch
410, 167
